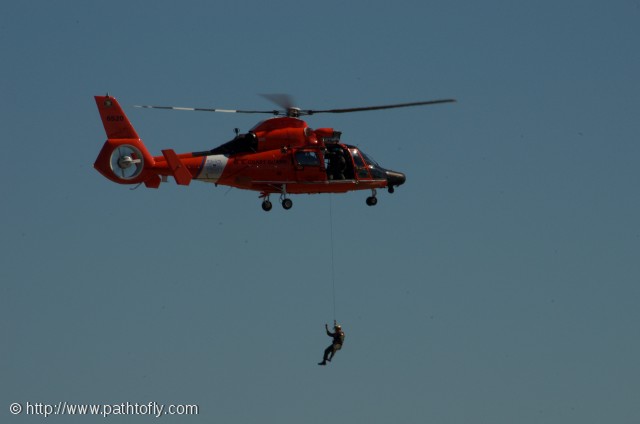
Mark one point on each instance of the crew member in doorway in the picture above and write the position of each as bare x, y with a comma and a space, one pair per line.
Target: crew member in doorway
336, 344
337, 164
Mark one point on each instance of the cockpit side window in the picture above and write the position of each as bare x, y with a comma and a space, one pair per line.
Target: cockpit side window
307, 158
356, 158
361, 168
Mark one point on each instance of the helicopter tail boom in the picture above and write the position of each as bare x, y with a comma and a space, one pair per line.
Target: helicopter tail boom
123, 158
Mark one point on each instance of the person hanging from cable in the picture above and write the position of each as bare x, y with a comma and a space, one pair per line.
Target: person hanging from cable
336, 344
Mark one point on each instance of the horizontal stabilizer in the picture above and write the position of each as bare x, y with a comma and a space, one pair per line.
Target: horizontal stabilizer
179, 171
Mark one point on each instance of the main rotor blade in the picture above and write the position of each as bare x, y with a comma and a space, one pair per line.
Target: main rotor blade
361, 109
202, 109
285, 101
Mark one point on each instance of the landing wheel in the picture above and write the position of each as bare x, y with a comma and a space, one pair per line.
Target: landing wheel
391, 189
372, 201
287, 203
266, 206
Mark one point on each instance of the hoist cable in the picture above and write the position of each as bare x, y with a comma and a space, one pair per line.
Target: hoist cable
333, 272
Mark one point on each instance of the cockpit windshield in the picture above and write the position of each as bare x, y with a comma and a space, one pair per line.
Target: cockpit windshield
377, 172
369, 160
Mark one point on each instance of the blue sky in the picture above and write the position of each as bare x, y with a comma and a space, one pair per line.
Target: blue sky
498, 285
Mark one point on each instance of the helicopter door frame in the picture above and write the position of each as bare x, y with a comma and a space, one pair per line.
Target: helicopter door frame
360, 168
335, 172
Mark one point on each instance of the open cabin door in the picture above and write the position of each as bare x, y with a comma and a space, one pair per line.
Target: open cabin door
339, 163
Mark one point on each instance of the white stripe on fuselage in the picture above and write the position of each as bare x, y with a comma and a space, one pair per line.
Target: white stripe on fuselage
213, 167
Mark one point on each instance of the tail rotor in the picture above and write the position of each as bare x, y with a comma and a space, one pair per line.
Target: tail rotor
126, 162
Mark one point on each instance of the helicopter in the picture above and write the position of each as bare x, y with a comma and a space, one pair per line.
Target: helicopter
280, 155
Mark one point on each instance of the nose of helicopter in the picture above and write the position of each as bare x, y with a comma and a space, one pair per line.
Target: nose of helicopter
395, 179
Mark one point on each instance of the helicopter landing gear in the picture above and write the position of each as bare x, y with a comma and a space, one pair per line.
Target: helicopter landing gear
372, 200
391, 189
266, 204
286, 202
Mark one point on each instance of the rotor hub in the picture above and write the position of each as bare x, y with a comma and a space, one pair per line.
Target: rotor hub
293, 112
125, 162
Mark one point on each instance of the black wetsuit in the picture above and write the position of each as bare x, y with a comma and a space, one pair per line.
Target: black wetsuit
336, 345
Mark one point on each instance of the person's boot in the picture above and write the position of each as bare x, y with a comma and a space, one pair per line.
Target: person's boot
322, 363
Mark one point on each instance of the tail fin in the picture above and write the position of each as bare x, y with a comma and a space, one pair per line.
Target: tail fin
123, 158
115, 122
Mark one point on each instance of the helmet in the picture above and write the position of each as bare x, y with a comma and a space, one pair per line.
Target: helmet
337, 327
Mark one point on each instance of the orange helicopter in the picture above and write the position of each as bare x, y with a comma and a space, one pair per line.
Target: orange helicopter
280, 155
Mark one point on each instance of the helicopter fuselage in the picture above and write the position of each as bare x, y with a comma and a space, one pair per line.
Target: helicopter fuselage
279, 155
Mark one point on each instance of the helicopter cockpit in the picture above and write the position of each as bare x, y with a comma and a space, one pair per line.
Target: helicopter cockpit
346, 162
